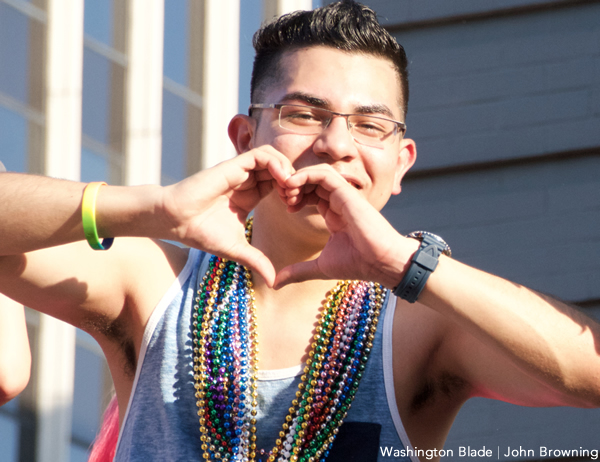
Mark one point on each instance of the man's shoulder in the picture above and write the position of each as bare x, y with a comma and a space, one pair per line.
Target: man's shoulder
138, 271
139, 256
149, 267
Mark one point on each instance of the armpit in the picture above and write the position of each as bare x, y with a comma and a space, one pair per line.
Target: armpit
114, 331
447, 386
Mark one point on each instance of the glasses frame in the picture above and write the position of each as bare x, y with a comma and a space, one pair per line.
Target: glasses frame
400, 126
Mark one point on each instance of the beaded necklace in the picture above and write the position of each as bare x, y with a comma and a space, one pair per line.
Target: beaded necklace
226, 366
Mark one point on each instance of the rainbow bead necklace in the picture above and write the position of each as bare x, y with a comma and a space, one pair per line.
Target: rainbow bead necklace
226, 366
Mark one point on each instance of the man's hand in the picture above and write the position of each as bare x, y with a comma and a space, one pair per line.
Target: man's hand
362, 245
209, 210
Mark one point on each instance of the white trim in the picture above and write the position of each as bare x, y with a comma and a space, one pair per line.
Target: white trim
156, 315
55, 353
54, 388
388, 374
220, 79
143, 92
280, 374
64, 75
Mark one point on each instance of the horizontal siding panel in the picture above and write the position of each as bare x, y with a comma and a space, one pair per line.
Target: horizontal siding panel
402, 12
579, 197
483, 87
537, 223
570, 272
505, 88
485, 210
518, 142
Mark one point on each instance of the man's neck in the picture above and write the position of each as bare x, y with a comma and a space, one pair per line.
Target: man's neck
287, 317
284, 244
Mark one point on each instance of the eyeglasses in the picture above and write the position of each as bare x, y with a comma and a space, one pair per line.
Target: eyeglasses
369, 130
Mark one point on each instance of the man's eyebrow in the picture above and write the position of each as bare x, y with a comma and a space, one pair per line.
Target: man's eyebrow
375, 109
315, 101
306, 98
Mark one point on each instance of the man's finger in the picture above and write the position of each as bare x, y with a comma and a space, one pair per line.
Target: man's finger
327, 178
257, 261
298, 272
267, 158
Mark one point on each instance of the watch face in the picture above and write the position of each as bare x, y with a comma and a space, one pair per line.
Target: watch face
420, 235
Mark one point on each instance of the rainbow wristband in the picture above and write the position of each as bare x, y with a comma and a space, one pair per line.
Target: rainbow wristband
88, 217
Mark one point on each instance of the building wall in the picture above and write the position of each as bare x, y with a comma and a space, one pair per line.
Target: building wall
505, 111
84, 95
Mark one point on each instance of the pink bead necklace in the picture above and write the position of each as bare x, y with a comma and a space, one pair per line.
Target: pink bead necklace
226, 367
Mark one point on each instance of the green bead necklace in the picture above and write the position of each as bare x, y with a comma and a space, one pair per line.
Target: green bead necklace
226, 367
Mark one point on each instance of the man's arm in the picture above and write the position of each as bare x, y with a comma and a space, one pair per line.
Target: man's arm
45, 264
504, 340
15, 357
206, 210
512, 343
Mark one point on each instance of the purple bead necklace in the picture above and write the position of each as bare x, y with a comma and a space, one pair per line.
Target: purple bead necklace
226, 367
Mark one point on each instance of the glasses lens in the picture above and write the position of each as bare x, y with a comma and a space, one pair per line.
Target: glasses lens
303, 119
370, 130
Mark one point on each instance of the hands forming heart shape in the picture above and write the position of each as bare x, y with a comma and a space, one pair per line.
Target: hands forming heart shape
209, 210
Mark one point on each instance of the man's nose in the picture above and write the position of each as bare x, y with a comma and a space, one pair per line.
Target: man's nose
336, 141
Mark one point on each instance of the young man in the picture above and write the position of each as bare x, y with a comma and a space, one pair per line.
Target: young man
213, 361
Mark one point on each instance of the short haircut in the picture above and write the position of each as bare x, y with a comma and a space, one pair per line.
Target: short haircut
347, 26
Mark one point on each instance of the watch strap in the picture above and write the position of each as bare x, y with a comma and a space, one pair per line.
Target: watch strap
423, 263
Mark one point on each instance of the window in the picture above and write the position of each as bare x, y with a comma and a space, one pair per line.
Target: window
182, 86
104, 68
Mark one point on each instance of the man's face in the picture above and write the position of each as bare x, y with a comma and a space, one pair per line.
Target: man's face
345, 83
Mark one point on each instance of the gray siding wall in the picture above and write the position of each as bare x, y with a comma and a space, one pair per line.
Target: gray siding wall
505, 111
505, 88
534, 222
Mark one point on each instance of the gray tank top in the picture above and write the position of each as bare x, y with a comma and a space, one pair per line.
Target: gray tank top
161, 424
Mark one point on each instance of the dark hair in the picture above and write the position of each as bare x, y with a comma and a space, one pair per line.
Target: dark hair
345, 25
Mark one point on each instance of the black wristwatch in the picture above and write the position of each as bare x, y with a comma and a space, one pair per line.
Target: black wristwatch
424, 261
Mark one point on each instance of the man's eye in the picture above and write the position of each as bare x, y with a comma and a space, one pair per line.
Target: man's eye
302, 117
370, 127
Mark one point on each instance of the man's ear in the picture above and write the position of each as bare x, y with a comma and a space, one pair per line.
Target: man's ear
406, 158
241, 132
